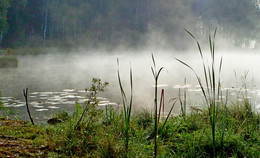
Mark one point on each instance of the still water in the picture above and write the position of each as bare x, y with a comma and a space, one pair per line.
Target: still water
57, 81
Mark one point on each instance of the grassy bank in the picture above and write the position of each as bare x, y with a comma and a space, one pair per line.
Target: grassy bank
41, 50
8, 61
37, 50
102, 135
34, 50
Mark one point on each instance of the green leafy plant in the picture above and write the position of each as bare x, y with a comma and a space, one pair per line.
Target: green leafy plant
90, 105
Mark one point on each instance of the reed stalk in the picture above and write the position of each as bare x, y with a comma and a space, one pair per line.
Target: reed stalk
126, 108
156, 75
168, 115
161, 105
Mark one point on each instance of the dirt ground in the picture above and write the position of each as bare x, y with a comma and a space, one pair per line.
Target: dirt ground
13, 146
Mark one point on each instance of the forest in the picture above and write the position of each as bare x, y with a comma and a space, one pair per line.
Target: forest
124, 22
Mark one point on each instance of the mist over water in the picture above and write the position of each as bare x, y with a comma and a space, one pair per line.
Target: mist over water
55, 72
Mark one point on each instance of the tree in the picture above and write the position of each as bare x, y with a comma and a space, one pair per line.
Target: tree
17, 23
4, 5
235, 19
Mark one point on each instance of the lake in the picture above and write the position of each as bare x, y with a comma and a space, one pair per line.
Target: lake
57, 81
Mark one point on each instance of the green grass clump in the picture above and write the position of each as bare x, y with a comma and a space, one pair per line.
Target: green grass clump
1, 103
212, 89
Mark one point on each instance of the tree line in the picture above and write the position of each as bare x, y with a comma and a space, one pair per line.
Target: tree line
131, 22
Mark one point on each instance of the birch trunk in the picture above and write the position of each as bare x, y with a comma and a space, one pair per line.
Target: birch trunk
1, 38
75, 29
136, 14
63, 29
31, 38
98, 28
99, 19
51, 31
45, 24
101, 6
148, 13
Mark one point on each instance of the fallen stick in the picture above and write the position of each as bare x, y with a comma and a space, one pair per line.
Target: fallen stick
25, 93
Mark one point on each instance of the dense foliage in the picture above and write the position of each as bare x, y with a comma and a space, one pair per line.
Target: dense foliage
130, 22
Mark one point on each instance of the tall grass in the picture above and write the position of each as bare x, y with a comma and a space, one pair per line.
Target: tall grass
211, 90
157, 130
126, 108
